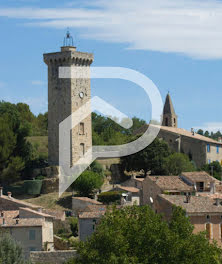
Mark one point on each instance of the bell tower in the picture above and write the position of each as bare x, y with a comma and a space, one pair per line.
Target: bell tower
64, 97
169, 115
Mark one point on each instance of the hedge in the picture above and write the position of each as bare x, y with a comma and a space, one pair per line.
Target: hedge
33, 187
14, 189
110, 197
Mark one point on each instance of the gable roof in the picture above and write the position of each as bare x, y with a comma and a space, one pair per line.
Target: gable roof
19, 203
197, 204
198, 176
179, 131
170, 183
128, 189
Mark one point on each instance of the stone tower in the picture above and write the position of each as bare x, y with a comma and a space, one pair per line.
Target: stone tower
64, 97
169, 115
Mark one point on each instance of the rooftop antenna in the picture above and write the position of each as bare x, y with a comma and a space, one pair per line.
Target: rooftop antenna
68, 39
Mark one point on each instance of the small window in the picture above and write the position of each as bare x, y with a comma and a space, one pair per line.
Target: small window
31, 234
82, 149
208, 147
208, 229
209, 161
218, 149
81, 128
208, 217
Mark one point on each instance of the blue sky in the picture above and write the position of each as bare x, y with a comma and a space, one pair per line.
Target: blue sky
176, 43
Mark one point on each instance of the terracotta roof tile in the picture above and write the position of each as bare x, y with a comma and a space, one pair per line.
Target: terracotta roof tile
197, 176
180, 131
197, 204
167, 183
129, 189
22, 222
36, 212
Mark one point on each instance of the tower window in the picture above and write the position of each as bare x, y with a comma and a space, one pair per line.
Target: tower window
166, 121
82, 149
81, 128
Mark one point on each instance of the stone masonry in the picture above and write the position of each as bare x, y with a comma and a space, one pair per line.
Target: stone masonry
64, 97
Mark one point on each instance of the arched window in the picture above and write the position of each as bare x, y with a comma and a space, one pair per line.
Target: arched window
166, 121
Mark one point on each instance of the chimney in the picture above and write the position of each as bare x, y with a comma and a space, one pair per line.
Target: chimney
188, 197
212, 187
217, 201
1, 191
192, 131
9, 194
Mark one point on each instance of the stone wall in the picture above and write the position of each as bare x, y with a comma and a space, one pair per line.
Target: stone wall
50, 185
51, 257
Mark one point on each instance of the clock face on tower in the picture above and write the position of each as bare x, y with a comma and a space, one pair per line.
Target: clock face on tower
81, 95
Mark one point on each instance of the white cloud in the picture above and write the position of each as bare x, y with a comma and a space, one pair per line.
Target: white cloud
2, 85
37, 82
183, 26
211, 126
37, 104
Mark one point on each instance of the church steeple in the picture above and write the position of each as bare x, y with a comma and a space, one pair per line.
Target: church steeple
169, 115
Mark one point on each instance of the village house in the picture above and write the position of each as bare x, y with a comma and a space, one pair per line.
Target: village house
81, 203
204, 213
200, 149
155, 185
26, 223
88, 219
32, 229
130, 195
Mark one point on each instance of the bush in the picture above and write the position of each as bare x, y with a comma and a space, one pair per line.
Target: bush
33, 187
110, 197
10, 251
73, 225
87, 183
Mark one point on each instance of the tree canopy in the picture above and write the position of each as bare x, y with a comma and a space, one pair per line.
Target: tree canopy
87, 182
10, 251
138, 235
152, 158
176, 163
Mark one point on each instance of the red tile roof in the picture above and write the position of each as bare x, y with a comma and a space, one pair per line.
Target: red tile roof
170, 183
197, 176
128, 189
197, 204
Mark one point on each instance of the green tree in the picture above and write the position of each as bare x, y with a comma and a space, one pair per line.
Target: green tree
177, 163
10, 251
137, 235
151, 159
87, 182
200, 132
15, 151
214, 167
